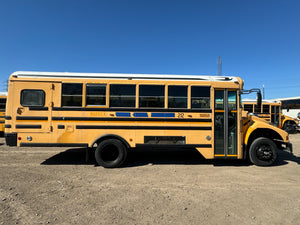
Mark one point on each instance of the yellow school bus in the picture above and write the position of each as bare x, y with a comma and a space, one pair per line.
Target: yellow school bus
115, 113
271, 112
3, 96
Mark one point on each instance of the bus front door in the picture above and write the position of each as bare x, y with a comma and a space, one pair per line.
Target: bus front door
225, 123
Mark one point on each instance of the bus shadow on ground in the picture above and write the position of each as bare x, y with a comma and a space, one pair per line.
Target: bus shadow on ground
189, 156
75, 156
145, 156
285, 157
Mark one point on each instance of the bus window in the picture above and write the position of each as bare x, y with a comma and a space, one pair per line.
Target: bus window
122, 95
266, 108
152, 96
177, 96
96, 94
71, 94
275, 115
200, 97
256, 109
2, 103
248, 107
32, 97
219, 100
232, 100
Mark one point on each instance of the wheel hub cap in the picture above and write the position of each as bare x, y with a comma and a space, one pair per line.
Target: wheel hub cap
264, 153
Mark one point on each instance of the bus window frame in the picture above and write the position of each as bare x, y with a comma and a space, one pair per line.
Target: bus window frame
263, 111
247, 103
135, 95
187, 96
139, 96
44, 97
84, 92
82, 95
191, 96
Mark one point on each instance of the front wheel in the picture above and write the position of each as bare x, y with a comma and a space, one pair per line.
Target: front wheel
263, 152
290, 127
111, 153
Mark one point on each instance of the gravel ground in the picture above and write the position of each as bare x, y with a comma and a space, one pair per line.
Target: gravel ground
56, 186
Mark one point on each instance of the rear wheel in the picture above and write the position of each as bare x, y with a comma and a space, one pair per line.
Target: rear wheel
263, 152
111, 153
290, 127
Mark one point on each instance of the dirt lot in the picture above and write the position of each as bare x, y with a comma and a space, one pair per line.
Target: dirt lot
56, 186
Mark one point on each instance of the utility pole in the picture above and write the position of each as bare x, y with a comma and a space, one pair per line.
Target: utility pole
263, 91
219, 66
6, 85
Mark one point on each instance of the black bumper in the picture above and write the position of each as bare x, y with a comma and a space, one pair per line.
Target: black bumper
289, 147
11, 139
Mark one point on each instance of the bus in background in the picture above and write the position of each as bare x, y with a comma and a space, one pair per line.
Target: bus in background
291, 107
271, 112
3, 96
112, 114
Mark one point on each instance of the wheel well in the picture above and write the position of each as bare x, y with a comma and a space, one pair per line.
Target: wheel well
267, 133
110, 136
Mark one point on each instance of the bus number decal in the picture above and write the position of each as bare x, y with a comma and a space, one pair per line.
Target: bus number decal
180, 115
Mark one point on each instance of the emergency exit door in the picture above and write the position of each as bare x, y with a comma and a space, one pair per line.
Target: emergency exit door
33, 107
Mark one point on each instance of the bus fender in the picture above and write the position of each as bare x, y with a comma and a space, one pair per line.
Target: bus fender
259, 128
253, 134
110, 136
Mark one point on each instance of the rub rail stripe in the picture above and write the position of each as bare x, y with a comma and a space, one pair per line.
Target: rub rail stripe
129, 119
141, 127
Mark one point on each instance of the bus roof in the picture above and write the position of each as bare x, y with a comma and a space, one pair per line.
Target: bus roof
263, 101
35, 74
290, 98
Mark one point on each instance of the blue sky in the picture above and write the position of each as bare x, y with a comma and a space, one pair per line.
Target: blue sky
258, 40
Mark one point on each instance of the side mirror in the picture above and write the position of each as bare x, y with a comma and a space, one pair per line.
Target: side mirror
259, 101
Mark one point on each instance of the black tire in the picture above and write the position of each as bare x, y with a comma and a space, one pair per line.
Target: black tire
110, 153
290, 127
263, 152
